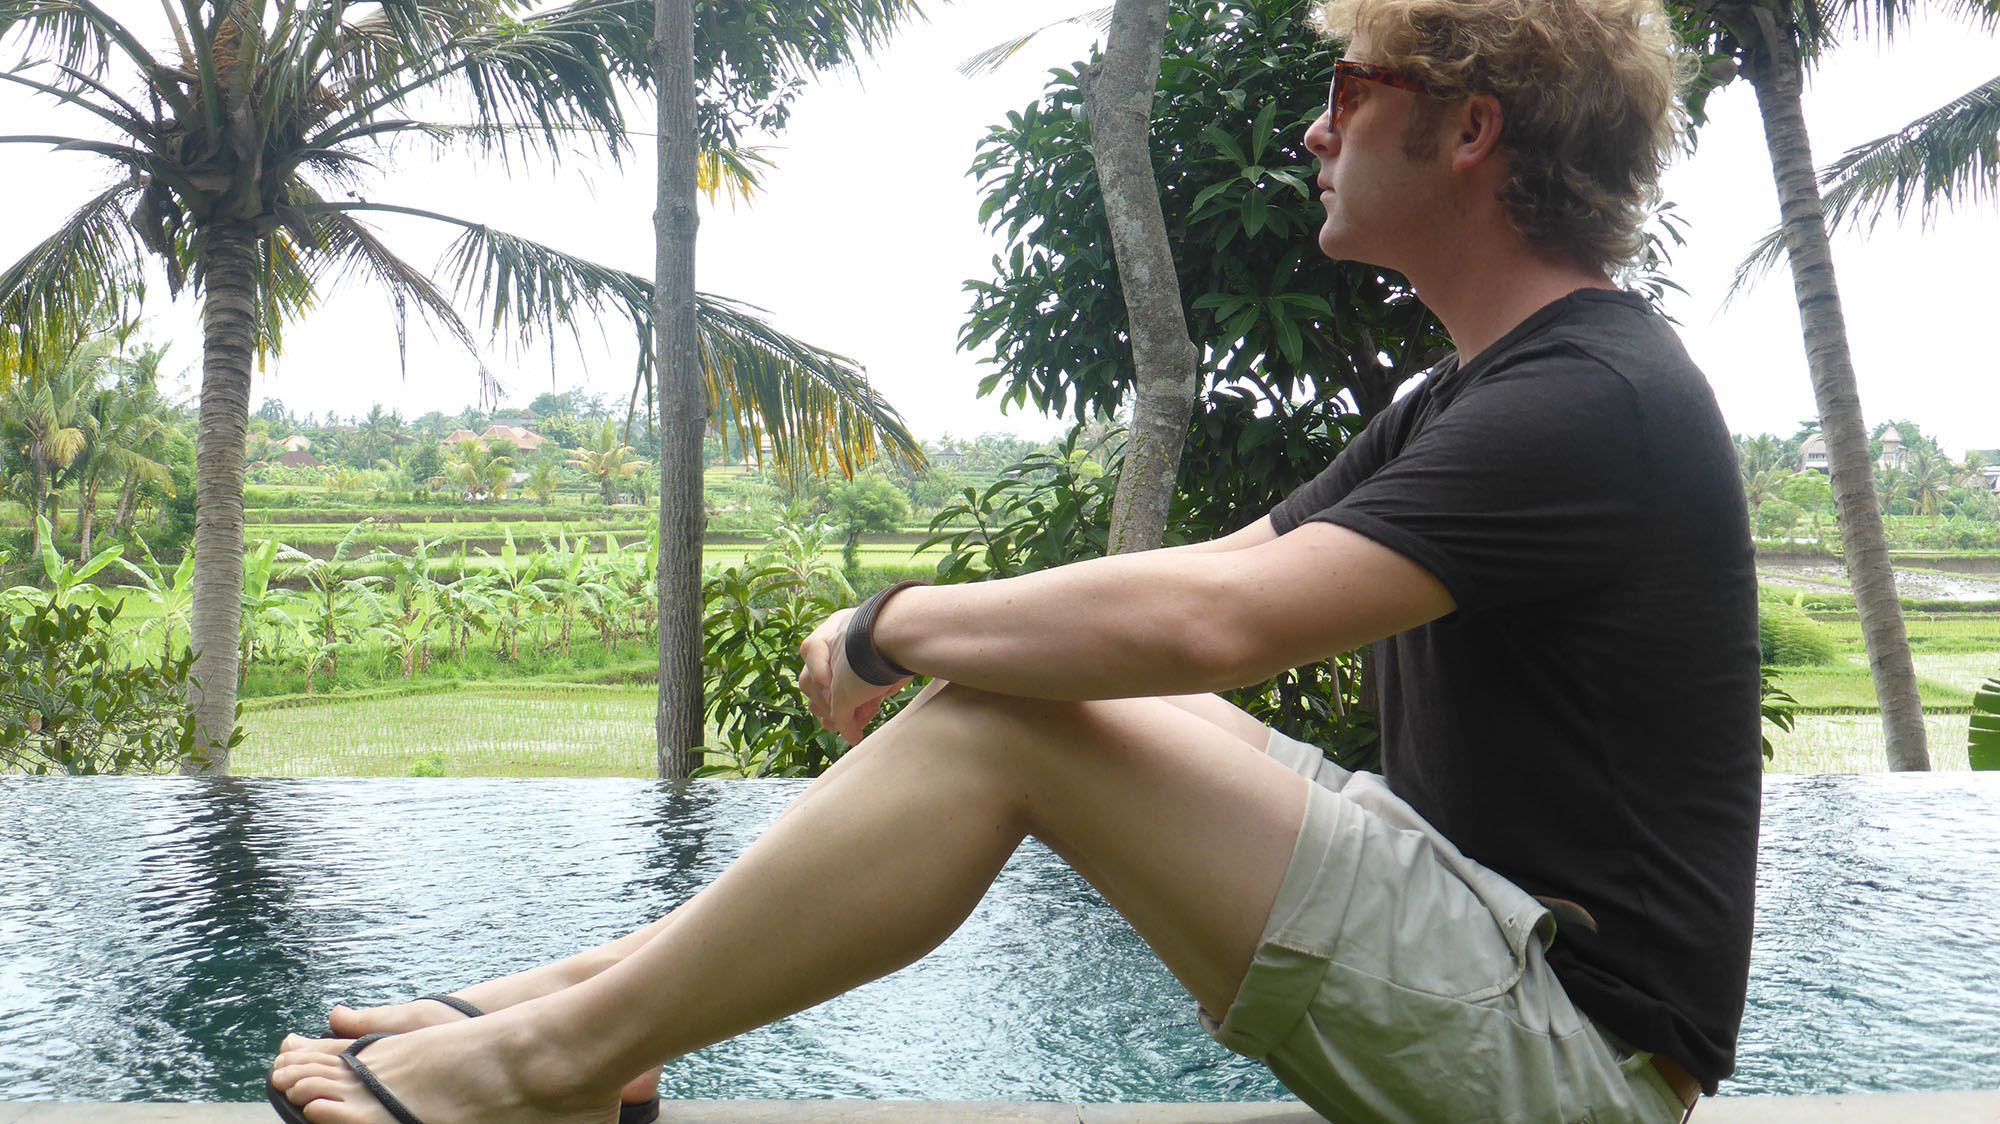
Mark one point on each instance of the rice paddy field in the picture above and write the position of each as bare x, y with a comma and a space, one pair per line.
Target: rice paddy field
530, 730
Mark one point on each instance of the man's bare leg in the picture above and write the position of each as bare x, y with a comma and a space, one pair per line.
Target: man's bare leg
1183, 832
507, 991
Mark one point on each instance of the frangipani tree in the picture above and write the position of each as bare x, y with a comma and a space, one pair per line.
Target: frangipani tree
241, 133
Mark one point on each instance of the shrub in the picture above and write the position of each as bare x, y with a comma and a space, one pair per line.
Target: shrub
1790, 638
75, 708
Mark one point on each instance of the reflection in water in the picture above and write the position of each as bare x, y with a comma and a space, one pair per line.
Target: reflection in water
157, 936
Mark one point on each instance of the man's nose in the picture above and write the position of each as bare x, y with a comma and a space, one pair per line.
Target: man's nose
1322, 139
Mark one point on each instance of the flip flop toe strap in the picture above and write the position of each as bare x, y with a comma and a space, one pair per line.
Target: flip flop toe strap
456, 1004
389, 1102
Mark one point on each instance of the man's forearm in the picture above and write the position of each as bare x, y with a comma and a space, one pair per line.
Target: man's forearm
1117, 627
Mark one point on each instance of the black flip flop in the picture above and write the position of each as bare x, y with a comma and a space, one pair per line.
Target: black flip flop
645, 1112
294, 1115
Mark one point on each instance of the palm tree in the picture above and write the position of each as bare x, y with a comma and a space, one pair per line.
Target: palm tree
381, 432
44, 421
242, 153
543, 480
1771, 41
122, 432
607, 459
1928, 476
479, 471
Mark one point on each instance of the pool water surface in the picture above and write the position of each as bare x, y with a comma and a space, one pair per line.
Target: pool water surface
159, 935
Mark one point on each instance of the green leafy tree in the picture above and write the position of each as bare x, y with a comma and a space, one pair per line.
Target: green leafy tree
425, 462
243, 146
335, 597
1281, 332
44, 419
869, 502
476, 472
1811, 493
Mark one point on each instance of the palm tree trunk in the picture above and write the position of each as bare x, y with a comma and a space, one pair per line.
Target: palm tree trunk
1118, 95
37, 502
126, 497
1775, 75
229, 335
86, 513
683, 407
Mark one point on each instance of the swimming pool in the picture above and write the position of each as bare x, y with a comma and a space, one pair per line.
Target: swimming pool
158, 935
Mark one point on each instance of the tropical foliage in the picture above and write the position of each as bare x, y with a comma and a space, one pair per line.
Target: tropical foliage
243, 150
1280, 331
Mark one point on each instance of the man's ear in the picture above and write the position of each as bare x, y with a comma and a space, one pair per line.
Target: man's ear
1478, 121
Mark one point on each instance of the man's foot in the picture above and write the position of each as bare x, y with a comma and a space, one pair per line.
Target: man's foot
401, 1018
473, 1072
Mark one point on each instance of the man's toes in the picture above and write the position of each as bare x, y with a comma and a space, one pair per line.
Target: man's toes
347, 1020
316, 1087
291, 1071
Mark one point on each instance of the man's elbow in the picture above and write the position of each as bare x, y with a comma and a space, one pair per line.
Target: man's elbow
1224, 653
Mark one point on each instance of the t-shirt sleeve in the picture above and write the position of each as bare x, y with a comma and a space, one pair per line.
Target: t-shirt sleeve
1355, 463
1526, 487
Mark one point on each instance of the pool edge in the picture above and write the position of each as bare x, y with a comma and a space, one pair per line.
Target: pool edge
1871, 1108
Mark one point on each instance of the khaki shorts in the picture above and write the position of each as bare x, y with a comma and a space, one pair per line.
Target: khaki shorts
1398, 980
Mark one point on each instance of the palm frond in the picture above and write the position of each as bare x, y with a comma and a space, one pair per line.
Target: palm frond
1948, 156
736, 172
996, 56
67, 30
545, 75
1763, 258
56, 290
817, 407
127, 123
345, 245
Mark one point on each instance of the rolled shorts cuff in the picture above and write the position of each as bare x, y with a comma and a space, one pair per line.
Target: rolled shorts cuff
1282, 982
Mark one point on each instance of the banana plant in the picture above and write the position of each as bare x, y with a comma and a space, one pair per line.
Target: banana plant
412, 596
515, 592
171, 595
465, 606
409, 631
66, 585
335, 594
262, 607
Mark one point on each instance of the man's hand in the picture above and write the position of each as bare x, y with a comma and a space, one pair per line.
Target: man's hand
836, 696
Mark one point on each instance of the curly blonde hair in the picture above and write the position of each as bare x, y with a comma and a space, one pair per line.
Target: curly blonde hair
1587, 94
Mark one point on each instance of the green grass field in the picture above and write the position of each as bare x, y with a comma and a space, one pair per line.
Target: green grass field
535, 730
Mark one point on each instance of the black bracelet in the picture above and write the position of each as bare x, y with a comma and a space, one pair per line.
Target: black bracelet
869, 664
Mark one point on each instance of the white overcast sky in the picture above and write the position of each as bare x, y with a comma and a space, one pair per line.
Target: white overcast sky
868, 229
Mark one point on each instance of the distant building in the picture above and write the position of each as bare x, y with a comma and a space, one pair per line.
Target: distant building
1812, 455
1893, 452
523, 439
296, 443
298, 458
1989, 466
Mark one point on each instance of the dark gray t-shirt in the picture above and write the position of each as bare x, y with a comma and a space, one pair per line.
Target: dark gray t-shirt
1586, 722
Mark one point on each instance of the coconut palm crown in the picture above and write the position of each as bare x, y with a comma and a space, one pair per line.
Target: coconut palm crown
242, 150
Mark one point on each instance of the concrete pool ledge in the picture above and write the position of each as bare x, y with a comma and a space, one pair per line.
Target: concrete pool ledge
1875, 1108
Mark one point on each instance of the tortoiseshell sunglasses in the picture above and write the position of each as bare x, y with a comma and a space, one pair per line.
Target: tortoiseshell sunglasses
1345, 71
